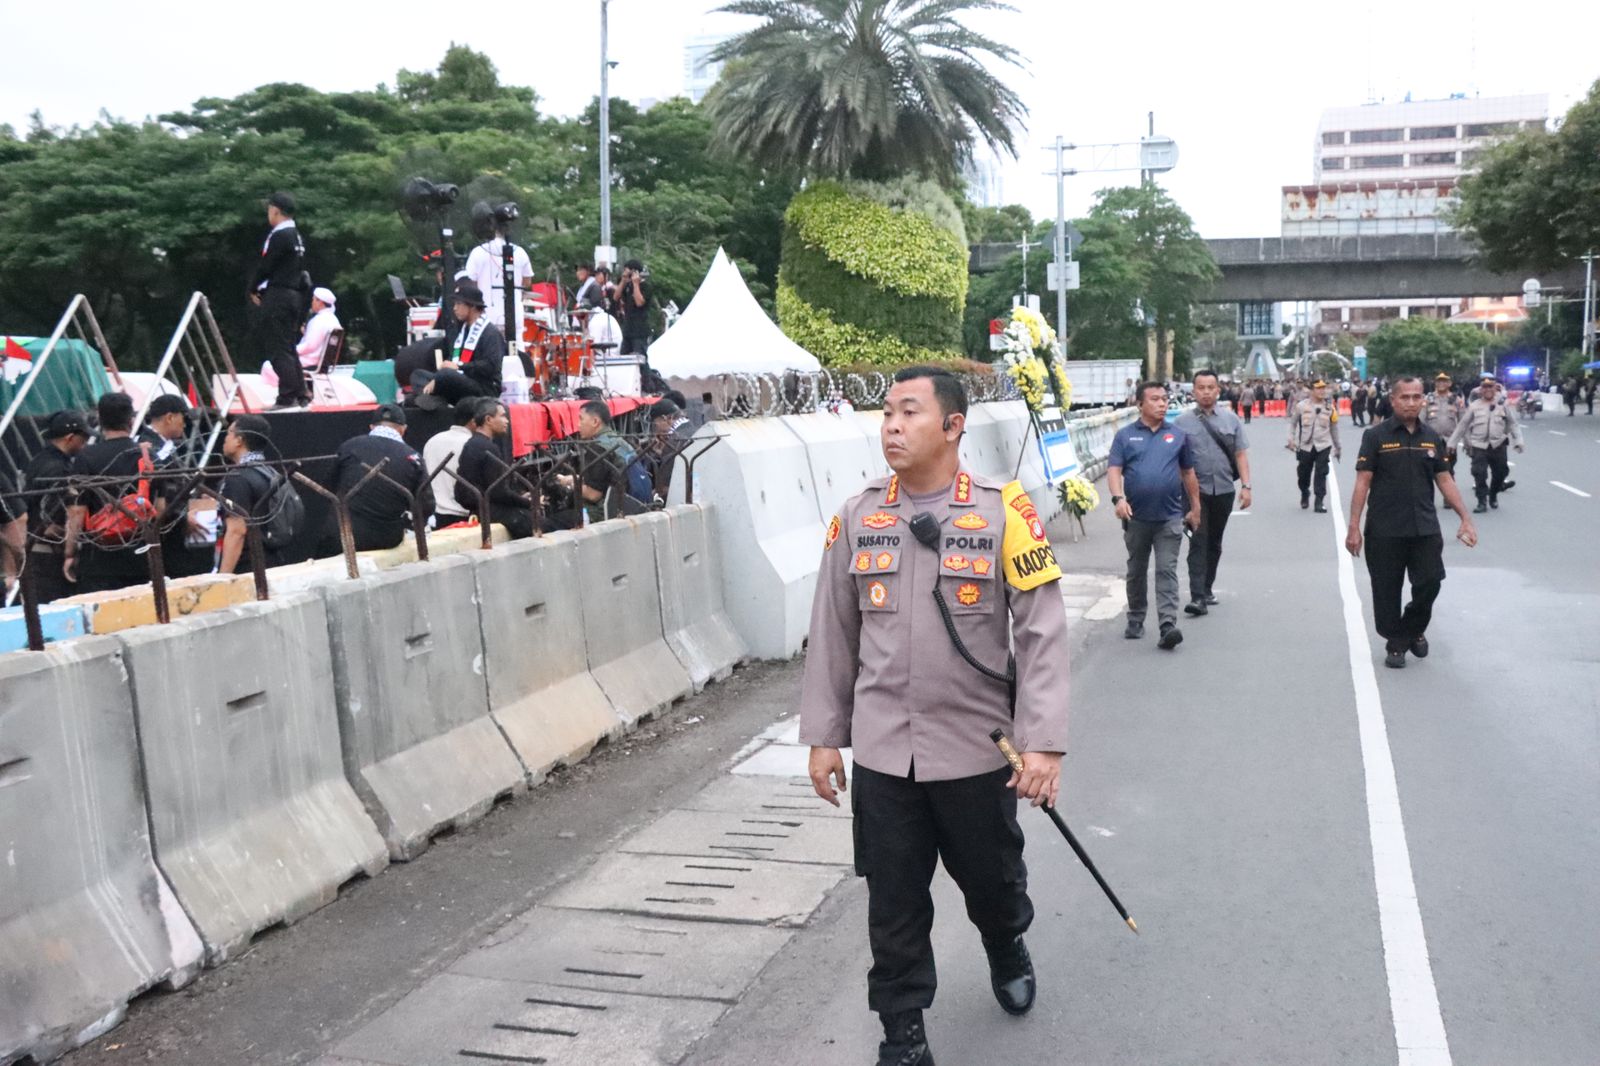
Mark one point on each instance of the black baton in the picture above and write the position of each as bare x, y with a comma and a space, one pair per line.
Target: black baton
1010, 752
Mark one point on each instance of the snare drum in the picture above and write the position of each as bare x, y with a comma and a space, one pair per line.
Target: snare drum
579, 356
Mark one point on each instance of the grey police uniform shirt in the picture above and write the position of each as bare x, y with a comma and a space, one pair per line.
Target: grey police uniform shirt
1314, 425
882, 676
1211, 464
1487, 425
1442, 413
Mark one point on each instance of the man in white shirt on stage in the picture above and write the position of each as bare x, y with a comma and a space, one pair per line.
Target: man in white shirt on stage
485, 269
324, 320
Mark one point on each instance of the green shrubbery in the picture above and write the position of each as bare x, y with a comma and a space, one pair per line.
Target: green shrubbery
864, 281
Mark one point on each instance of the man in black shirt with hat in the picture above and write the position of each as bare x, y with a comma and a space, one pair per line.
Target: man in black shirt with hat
277, 290
474, 368
1401, 461
380, 514
51, 553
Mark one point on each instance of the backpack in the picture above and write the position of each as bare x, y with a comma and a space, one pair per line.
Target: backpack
641, 485
116, 525
283, 509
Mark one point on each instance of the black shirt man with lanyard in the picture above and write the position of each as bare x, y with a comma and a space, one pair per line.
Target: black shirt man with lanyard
1401, 461
52, 544
277, 289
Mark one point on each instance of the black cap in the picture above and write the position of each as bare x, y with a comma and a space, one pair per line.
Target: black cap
64, 424
389, 412
166, 404
469, 294
664, 409
283, 202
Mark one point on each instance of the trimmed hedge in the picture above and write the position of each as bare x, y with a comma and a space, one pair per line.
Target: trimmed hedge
862, 281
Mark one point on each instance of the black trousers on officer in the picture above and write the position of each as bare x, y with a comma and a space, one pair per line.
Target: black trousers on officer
1489, 470
1205, 547
278, 327
1309, 460
1389, 561
902, 827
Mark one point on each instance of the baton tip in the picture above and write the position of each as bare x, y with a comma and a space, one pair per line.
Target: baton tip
1132, 926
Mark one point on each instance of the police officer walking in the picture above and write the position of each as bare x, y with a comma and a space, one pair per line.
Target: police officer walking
1441, 412
277, 289
1488, 426
882, 676
1313, 433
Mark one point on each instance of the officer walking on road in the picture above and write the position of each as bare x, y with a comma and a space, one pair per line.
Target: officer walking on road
1441, 412
1313, 432
889, 675
1401, 461
1488, 426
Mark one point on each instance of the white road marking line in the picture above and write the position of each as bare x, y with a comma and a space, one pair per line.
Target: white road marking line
1569, 488
1413, 998
1556, 432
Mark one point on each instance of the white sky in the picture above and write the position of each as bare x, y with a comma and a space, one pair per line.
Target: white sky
1239, 85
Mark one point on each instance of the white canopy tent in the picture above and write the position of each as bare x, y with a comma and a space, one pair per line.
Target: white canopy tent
724, 331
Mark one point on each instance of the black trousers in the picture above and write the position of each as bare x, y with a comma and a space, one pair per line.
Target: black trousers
49, 582
1358, 414
517, 520
1247, 409
1205, 547
1390, 560
1489, 470
278, 327
451, 386
101, 570
1309, 460
902, 827
369, 534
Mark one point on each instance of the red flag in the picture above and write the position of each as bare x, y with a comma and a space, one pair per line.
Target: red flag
17, 351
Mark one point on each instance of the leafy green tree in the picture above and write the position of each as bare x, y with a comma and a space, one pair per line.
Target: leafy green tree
863, 88
1423, 347
998, 225
1534, 202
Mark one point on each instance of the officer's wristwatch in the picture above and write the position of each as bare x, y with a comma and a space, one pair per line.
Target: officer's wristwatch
1115, 500
1245, 485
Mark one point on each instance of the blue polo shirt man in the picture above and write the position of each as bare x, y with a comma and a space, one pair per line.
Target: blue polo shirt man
1155, 492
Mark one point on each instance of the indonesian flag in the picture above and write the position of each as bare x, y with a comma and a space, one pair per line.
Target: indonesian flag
17, 360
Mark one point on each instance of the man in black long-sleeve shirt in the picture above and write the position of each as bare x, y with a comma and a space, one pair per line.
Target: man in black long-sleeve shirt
510, 503
277, 289
474, 369
380, 513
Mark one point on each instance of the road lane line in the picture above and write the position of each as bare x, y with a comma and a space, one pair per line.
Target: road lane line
1569, 488
1555, 432
1413, 998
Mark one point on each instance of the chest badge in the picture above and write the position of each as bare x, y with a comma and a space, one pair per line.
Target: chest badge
877, 594
885, 560
956, 563
968, 594
863, 561
969, 521
981, 566
880, 520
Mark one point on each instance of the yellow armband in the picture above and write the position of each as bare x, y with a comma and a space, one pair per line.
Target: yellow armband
1029, 559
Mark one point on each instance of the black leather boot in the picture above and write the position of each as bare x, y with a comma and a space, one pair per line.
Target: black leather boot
1011, 975
1320, 508
905, 1043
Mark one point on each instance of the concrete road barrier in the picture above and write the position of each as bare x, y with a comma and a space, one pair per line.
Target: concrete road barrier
692, 613
59, 621
839, 454
621, 601
982, 450
253, 821
760, 483
314, 574
127, 608
408, 681
441, 542
86, 920
540, 690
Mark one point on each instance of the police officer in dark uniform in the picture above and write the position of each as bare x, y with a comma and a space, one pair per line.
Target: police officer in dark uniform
278, 291
884, 677
1401, 462
52, 549
380, 514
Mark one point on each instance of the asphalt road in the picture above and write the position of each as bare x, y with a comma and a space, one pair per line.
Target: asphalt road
1227, 790
1222, 790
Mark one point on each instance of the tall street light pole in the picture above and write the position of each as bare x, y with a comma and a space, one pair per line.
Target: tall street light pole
1061, 241
605, 130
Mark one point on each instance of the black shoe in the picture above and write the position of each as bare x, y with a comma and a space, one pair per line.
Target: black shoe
904, 1041
1011, 976
1320, 508
1135, 631
1419, 647
1305, 501
1211, 601
1508, 486
1395, 658
1482, 508
1494, 503
1171, 637
1195, 608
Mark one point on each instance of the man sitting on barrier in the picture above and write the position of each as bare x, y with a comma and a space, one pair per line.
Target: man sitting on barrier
611, 479
450, 443
380, 513
482, 470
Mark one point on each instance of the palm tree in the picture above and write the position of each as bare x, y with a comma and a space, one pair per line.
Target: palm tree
863, 88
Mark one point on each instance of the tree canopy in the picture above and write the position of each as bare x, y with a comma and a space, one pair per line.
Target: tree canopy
1423, 347
138, 215
1534, 202
868, 89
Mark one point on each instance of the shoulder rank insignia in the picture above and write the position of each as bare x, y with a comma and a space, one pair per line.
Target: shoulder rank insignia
971, 520
963, 488
893, 494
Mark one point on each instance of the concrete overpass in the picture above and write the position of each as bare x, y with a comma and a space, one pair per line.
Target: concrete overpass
1388, 266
